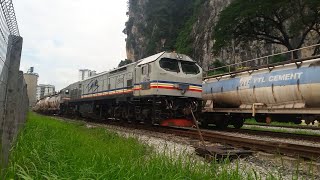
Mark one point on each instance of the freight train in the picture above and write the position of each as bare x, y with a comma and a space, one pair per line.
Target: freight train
170, 86
160, 87
287, 91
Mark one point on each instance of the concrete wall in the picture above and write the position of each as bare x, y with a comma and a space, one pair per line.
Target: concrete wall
13, 98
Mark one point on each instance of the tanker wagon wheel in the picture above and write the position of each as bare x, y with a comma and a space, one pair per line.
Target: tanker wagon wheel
308, 119
238, 122
204, 120
222, 122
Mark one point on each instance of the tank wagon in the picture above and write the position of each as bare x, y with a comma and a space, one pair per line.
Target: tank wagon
162, 86
49, 104
288, 91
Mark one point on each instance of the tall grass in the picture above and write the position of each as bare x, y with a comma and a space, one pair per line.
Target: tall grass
52, 149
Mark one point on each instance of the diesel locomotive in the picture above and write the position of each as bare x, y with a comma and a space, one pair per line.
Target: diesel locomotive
160, 87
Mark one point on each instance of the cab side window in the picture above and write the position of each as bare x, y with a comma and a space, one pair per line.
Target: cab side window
144, 70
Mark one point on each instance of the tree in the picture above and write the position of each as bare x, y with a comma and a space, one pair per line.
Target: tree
124, 62
284, 22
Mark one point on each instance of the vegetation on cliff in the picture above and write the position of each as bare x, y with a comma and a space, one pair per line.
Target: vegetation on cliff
184, 40
235, 30
286, 22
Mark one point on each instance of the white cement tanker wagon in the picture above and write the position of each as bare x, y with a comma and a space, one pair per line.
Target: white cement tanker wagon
288, 91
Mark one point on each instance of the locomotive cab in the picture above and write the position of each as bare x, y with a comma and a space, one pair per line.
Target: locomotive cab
169, 84
168, 74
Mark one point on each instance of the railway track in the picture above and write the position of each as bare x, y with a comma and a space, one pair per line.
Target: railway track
283, 148
288, 135
288, 149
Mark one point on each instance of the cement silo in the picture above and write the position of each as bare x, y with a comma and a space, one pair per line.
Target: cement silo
31, 79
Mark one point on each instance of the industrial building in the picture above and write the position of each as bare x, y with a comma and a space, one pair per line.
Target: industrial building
31, 79
85, 73
45, 90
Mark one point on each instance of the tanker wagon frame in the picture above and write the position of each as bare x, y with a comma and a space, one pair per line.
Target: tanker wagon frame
287, 91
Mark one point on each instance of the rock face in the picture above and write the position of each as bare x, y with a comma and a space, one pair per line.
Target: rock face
139, 39
154, 26
136, 41
202, 31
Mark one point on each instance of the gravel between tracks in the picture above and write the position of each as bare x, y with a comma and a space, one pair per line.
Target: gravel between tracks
174, 146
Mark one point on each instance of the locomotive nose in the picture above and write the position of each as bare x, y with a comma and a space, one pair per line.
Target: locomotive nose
183, 87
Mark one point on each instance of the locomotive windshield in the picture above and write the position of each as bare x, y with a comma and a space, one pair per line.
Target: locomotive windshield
173, 65
169, 64
189, 67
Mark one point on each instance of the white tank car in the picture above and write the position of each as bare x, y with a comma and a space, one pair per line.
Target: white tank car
45, 105
288, 91
50, 104
39, 105
54, 102
36, 107
161, 86
285, 87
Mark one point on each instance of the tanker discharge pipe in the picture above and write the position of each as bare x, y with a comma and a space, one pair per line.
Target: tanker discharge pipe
254, 108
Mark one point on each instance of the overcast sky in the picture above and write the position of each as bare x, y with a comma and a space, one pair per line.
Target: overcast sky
63, 36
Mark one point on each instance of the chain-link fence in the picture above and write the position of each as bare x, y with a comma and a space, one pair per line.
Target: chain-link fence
13, 89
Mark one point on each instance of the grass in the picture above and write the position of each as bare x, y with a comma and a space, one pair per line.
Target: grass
302, 132
290, 124
274, 123
52, 149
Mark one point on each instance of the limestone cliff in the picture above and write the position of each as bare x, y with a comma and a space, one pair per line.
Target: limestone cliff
185, 26
154, 25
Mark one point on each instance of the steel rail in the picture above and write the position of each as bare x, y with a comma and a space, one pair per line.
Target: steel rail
288, 135
289, 149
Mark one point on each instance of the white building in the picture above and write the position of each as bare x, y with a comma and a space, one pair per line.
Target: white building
45, 90
85, 73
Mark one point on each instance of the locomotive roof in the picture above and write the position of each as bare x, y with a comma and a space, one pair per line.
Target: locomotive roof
171, 55
146, 60
150, 59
